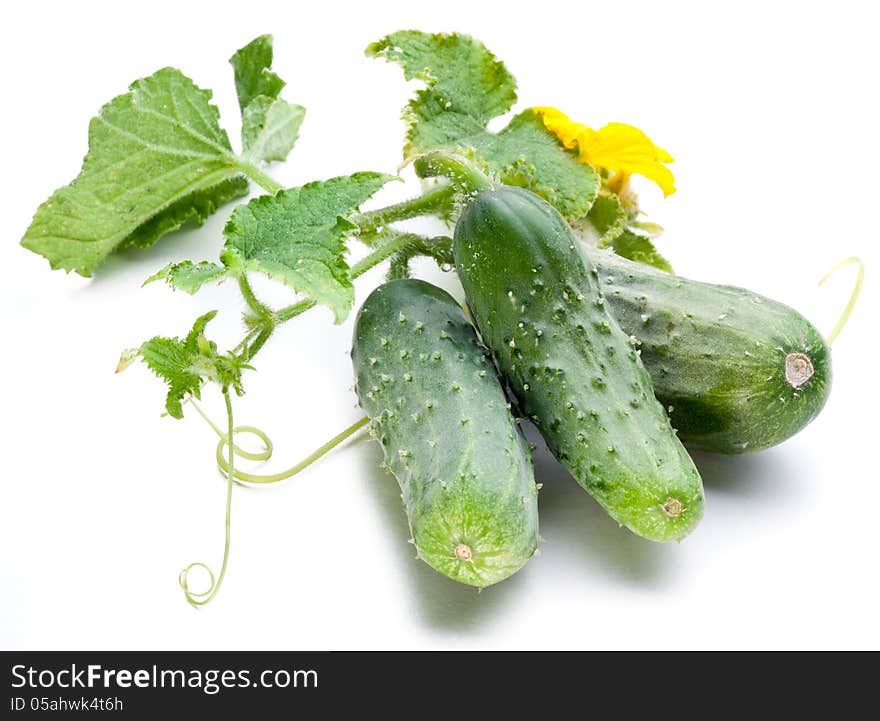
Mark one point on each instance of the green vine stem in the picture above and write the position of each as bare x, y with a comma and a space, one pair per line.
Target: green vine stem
464, 175
437, 200
399, 267
261, 309
438, 248
857, 289
259, 341
395, 243
266, 182
293, 310
203, 597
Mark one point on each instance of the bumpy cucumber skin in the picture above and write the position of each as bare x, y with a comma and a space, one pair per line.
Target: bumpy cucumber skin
717, 355
439, 411
570, 366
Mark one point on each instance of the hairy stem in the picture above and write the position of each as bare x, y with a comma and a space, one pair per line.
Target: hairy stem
434, 201
394, 243
247, 291
293, 310
463, 174
266, 182
258, 342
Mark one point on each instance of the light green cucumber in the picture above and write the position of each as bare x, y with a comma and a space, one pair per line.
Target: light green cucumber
437, 407
572, 369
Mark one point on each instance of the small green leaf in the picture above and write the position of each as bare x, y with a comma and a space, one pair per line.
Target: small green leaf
188, 276
269, 125
607, 220
181, 363
640, 249
253, 75
652, 230
157, 158
298, 237
465, 87
270, 128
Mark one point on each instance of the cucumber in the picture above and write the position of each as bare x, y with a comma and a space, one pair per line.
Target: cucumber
437, 407
738, 372
572, 369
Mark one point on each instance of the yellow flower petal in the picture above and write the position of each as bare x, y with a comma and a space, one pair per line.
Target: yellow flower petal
569, 132
616, 147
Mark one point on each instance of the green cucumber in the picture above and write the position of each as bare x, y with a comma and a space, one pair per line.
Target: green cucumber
437, 407
738, 372
572, 369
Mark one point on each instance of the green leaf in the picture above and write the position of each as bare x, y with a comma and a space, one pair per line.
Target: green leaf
269, 128
298, 237
525, 153
606, 221
465, 87
269, 125
182, 364
640, 249
157, 159
652, 230
194, 209
188, 276
253, 75
608, 225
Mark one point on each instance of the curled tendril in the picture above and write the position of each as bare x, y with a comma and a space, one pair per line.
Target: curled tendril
263, 455
196, 595
201, 598
241, 476
223, 456
226, 453
857, 288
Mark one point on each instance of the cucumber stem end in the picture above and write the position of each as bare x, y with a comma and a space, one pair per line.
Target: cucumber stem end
463, 553
798, 369
672, 507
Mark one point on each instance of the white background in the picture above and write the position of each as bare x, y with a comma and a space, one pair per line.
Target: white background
769, 110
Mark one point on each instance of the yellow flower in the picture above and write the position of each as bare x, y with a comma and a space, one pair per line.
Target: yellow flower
616, 147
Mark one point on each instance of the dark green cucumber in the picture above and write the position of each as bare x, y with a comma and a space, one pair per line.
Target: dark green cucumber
572, 369
737, 372
438, 409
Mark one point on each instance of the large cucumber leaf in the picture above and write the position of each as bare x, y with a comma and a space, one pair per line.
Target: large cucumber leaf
157, 158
